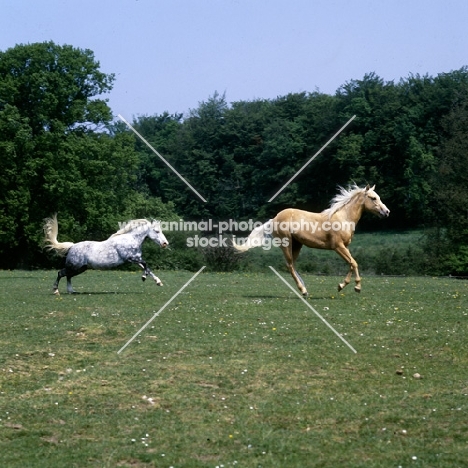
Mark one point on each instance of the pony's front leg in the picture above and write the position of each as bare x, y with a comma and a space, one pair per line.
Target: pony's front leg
156, 279
353, 266
147, 271
357, 287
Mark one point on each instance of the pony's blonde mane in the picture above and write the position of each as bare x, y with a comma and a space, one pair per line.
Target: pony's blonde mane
342, 198
130, 226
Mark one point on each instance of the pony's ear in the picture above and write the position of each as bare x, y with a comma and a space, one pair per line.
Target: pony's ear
373, 188
367, 187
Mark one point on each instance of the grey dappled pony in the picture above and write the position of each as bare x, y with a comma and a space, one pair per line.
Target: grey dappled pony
123, 246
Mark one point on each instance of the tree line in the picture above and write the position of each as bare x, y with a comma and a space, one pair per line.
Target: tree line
62, 151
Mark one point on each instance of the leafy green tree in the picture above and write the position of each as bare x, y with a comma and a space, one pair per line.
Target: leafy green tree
449, 243
15, 144
199, 156
54, 85
54, 156
394, 139
366, 153
161, 131
243, 137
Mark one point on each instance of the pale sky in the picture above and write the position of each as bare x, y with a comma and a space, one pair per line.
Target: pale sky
170, 55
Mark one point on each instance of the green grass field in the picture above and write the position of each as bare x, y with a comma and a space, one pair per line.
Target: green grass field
236, 371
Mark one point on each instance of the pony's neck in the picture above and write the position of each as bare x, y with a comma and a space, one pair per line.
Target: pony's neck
140, 233
355, 208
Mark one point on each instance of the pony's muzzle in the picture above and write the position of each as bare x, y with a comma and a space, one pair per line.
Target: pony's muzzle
384, 212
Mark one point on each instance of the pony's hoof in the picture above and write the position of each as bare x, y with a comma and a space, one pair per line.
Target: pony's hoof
305, 294
341, 286
158, 282
56, 292
358, 290
143, 278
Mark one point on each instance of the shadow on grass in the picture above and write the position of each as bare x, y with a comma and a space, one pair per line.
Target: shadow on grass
16, 277
282, 296
98, 293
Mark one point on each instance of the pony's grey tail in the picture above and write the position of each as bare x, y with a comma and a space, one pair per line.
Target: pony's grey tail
255, 238
50, 232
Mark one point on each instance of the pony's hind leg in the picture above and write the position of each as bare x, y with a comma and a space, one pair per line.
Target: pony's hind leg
61, 273
70, 274
70, 289
291, 252
296, 250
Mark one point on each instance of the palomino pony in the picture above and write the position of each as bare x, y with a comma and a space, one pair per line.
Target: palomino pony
123, 246
331, 229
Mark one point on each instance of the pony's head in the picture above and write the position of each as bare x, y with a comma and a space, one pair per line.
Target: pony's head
152, 229
373, 204
155, 234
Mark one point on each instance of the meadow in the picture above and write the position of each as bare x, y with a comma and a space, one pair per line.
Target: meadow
383, 252
236, 371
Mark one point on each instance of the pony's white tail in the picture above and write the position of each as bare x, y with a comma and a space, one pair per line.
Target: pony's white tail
51, 231
255, 238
